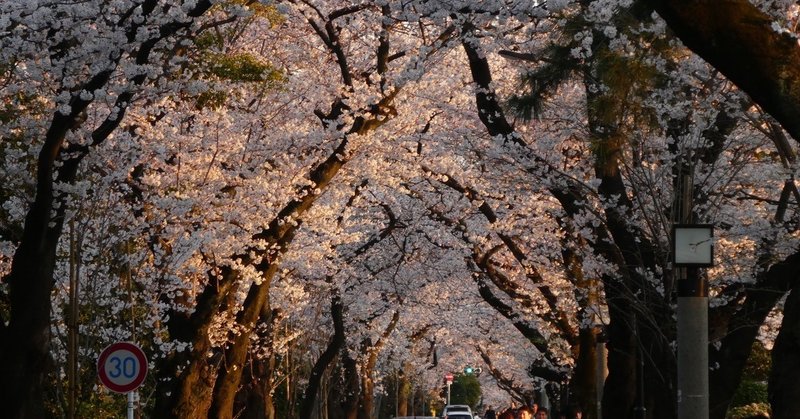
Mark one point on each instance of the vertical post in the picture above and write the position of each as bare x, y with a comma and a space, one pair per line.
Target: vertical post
72, 334
600, 376
131, 404
397, 394
448, 391
692, 325
413, 401
692, 347
133, 396
544, 401
640, 411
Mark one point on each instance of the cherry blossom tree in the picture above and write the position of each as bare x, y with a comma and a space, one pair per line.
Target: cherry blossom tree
308, 203
85, 70
602, 69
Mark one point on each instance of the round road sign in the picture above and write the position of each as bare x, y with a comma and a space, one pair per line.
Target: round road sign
122, 367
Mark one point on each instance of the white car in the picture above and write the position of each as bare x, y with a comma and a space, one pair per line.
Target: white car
457, 411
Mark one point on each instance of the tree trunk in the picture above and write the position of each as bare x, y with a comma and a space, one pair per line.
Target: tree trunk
25, 335
583, 385
737, 39
641, 323
403, 393
620, 388
741, 328
621, 383
196, 383
25, 346
255, 399
188, 394
784, 393
230, 373
351, 387
324, 361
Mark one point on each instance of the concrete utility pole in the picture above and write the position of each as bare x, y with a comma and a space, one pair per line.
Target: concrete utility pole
691, 250
693, 348
640, 411
448, 392
449, 380
601, 371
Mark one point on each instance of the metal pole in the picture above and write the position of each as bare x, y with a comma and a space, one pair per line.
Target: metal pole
72, 336
600, 378
448, 392
693, 389
640, 411
131, 404
692, 327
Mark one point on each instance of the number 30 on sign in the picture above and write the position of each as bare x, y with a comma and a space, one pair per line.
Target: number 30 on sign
122, 367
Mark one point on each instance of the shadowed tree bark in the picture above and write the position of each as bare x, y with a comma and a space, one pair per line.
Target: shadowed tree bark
209, 384
25, 334
324, 361
370, 352
738, 39
784, 392
619, 291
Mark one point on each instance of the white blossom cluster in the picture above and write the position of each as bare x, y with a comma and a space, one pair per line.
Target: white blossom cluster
428, 205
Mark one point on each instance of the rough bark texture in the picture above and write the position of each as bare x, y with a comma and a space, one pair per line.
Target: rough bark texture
254, 399
784, 393
230, 375
403, 393
197, 380
621, 383
188, 394
583, 386
26, 333
741, 328
738, 40
325, 359
25, 341
639, 316
351, 388
366, 404
25, 338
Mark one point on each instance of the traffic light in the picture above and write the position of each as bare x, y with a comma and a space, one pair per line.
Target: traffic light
468, 370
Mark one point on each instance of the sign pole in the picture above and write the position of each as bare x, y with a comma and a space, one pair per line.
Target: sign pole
448, 378
131, 404
122, 368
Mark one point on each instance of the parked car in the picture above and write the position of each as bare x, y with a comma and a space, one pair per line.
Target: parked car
457, 411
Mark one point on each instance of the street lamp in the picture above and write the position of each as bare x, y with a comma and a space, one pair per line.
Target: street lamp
692, 248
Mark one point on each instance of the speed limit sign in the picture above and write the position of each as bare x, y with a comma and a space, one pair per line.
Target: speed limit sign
122, 367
